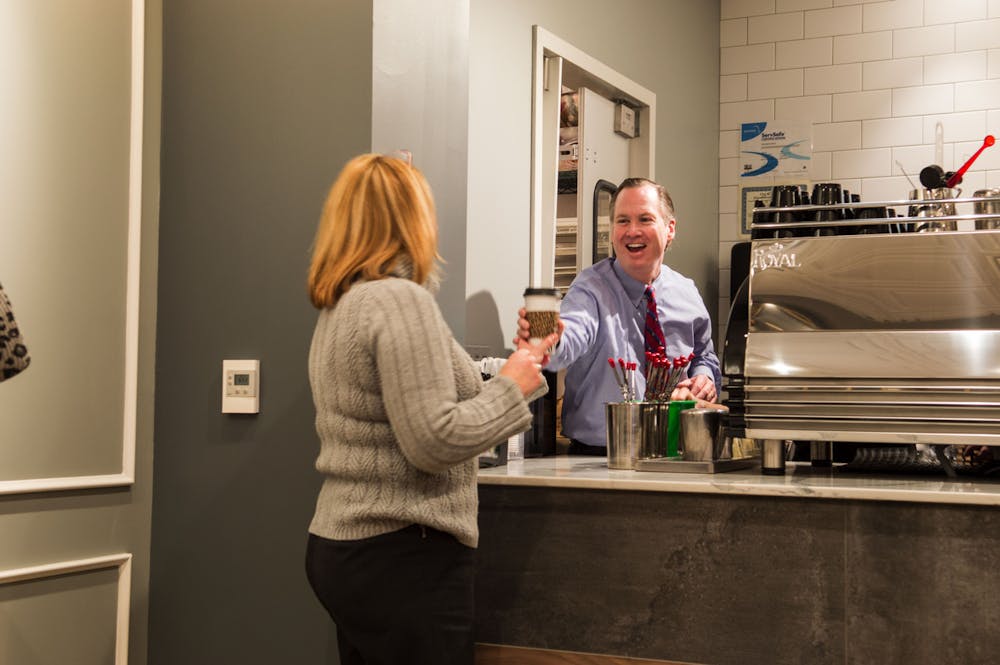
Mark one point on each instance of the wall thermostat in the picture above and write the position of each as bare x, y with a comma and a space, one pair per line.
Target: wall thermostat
625, 121
240, 386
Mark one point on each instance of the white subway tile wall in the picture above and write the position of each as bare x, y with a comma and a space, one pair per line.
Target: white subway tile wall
774, 28
792, 5
993, 118
804, 53
837, 136
892, 132
732, 114
851, 184
978, 35
881, 74
733, 88
923, 41
733, 33
742, 59
977, 95
923, 100
861, 48
820, 169
740, 8
993, 62
729, 144
969, 126
805, 109
833, 78
731, 223
727, 199
829, 22
861, 163
887, 189
862, 105
913, 158
954, 11
892, 15
728, 171
778, 83
875, 78
954, 67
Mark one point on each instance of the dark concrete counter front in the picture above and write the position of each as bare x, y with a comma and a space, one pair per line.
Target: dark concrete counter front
716, 574
801, 480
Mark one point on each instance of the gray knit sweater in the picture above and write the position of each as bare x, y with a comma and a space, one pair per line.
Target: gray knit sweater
402, 414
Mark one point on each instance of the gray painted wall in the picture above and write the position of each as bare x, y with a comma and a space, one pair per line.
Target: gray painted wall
263, 102
670, 47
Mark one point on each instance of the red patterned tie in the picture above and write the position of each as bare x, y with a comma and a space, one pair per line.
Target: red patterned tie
655, 342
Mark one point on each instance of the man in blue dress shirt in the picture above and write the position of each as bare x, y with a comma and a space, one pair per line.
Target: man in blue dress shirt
604, 314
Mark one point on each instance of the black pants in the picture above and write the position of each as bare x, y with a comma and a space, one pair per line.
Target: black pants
581, 448
404, 598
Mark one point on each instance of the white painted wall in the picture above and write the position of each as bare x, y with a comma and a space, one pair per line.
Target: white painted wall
667, 46
420, 103
874, 78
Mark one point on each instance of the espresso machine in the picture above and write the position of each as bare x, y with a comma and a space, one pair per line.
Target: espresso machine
856, 328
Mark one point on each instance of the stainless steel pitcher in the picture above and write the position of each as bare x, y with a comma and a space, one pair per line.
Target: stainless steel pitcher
654, 420
932, 210
700, 434
623, 426
987, 208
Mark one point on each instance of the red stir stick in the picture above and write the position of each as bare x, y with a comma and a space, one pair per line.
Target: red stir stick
987, 142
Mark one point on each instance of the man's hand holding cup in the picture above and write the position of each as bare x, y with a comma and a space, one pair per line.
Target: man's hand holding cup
539, 318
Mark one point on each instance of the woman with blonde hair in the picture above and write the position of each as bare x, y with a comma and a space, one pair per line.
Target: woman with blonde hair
402, 414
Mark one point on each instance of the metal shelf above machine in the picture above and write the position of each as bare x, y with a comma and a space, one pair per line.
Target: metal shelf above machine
913, 207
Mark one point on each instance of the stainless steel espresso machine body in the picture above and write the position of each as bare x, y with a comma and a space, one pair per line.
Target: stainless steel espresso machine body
886, 338
874, 337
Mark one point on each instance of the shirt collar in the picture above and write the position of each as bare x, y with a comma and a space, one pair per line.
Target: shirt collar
634, 289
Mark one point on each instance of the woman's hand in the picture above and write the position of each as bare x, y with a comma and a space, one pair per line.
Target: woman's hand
524, 365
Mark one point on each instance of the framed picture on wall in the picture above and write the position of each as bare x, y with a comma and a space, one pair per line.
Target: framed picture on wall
749, 195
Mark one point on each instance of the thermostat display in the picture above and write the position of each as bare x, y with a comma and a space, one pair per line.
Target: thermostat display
240, 386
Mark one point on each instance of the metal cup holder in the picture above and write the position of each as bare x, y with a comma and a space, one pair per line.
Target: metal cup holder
926, 210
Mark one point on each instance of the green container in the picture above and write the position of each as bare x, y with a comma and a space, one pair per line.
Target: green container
674, 423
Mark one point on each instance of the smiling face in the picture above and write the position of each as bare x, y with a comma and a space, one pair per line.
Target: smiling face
642, 230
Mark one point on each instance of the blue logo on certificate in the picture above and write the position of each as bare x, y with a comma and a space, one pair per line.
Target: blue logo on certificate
767, 149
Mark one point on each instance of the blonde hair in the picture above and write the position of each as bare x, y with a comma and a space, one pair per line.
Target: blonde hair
379, 213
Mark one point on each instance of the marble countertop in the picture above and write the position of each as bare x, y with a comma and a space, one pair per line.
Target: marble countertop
800, 481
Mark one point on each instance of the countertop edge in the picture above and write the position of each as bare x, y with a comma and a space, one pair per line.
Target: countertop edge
582, 473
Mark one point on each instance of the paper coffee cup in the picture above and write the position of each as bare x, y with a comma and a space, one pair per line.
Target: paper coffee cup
542, 311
